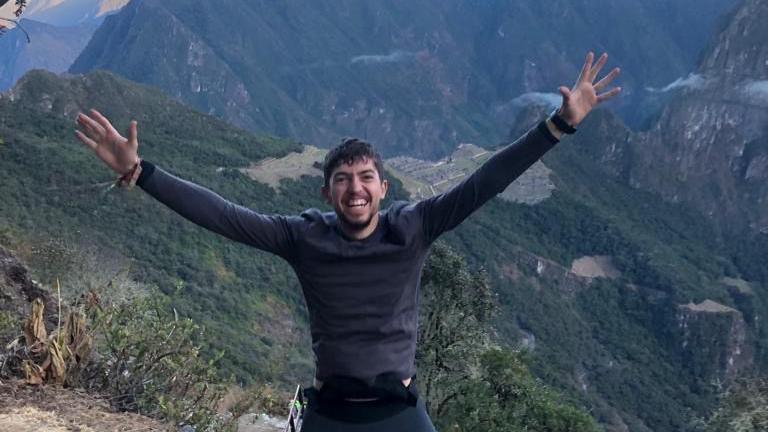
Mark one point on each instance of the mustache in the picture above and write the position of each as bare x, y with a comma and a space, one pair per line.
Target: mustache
356, 196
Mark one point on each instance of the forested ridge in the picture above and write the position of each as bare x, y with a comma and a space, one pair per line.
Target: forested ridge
610, 344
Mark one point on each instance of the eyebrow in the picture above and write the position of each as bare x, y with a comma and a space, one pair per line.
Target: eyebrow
346, 174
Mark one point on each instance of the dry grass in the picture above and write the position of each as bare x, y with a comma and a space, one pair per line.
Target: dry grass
54, 409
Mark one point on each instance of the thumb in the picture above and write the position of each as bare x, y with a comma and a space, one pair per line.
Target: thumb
133, 134
565, 92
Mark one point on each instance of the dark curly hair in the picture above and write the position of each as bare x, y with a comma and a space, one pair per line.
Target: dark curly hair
351, 150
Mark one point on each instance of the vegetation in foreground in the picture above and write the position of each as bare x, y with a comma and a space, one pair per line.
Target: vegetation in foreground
147, 359
250, 303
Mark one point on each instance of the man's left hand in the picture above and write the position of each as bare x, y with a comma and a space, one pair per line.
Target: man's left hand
586, 94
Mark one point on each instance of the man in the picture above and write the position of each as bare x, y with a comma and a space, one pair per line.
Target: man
359, 267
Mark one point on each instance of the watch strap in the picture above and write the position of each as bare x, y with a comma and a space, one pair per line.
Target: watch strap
561, 124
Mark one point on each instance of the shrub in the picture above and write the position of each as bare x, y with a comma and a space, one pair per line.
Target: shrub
149, 361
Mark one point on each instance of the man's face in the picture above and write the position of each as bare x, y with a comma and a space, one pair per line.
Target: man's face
355, 191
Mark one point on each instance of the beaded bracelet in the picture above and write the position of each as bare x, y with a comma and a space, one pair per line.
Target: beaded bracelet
129, 179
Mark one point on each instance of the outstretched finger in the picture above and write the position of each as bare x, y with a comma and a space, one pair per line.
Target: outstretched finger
90, 125
86, 141
584, 74
598, 66
609, 94
102, 152
103, 122
607, 79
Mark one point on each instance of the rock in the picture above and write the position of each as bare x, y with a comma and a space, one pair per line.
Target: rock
708, 147
713, 340
18, 290
259, 423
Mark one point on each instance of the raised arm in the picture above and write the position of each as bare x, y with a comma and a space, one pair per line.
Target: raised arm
445, 211
199, 205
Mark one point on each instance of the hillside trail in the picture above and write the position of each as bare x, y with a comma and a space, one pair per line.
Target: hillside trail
25, 408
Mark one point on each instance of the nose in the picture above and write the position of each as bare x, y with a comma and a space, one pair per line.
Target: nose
355, 184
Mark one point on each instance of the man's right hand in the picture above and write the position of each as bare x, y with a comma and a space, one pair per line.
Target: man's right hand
117, 152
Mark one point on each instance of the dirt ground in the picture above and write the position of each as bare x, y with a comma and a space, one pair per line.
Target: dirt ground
594, 267
26, 408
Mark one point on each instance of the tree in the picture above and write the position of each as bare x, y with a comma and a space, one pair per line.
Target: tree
467, 384
743, 408
456, 308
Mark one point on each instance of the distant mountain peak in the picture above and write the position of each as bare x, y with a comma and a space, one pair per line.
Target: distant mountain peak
739, 52
72, 12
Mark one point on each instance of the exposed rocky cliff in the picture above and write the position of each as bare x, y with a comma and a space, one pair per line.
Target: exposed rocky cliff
713, 341
709, 146
416, 78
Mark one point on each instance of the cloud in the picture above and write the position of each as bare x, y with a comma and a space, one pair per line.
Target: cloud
393, 57
551, 100
757, 88
693, 81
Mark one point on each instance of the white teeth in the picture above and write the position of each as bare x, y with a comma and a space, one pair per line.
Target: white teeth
357, 203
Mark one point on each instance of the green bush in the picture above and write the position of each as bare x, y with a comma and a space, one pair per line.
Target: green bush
506, 397
743, 408
149, 361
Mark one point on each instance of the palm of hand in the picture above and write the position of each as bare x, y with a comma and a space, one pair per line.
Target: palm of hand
116, 151
584, 96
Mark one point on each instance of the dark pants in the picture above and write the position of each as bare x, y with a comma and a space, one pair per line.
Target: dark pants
384, 415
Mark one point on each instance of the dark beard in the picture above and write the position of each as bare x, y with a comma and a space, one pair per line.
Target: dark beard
354, 226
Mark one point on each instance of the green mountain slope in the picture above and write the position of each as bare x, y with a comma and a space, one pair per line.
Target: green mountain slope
49, 190
629, 304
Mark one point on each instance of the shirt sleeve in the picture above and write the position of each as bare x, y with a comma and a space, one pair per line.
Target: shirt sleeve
444, 212
271, 233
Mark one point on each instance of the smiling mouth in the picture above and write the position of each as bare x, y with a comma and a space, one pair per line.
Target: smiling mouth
357, 203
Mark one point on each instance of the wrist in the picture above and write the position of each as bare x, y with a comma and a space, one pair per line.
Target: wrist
557, 133
130, 167
557, 120
129, 179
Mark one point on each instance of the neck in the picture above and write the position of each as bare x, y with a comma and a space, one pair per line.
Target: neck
359, 233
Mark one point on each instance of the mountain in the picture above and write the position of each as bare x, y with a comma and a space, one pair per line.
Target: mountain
709, 145
66, 13
629, 304
58, 31
58, 195
417, 78
52, 48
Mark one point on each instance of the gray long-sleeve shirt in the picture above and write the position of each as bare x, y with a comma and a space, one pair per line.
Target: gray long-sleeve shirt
362, 295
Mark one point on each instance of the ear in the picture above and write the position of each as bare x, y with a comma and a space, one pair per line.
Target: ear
325, 192
384, 188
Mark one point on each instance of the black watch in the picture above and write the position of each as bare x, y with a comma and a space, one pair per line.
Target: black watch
561, 124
